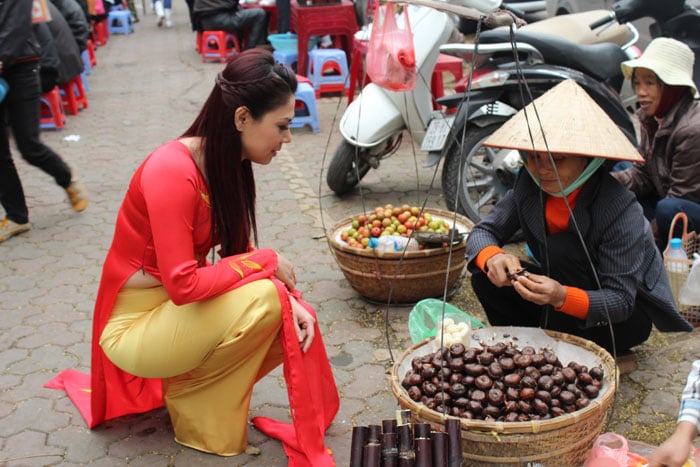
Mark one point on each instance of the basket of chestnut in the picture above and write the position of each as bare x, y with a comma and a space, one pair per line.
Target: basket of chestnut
401, 276
522, 395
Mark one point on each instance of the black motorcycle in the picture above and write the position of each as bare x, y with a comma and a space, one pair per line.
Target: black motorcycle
475, 177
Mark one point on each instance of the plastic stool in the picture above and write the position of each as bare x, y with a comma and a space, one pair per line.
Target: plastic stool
323, 60
100, 32
218, 45
358, 71
286, 58
305, 112
73, 95
119, 22
449, 64
91, 53
51, 114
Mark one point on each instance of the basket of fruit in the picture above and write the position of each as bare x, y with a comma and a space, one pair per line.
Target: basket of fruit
422, 247
524, 396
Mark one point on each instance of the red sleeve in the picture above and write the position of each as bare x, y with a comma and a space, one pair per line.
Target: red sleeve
576, 303
486, 254
173, 194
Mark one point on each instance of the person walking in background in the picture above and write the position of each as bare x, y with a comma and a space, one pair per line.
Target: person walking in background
19, 66
163, 9
225, 15
70, 63
668, 181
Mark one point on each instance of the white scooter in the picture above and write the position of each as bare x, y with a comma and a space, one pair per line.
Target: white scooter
372, 125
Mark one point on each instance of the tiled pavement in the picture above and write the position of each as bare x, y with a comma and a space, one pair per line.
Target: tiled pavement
146, 89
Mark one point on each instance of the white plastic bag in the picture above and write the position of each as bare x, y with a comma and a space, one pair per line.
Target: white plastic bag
690, 291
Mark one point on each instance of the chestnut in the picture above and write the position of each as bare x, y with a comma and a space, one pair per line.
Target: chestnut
478, 395
475, 369
567, 397
496, 397
524, 407
469, 355
428, 371
512, 416
544, 396
528, 382
591, 391
507, 363
457, 349
485, 358
569, 374
547, 369
527, 394
491, 411
596, 373
545, 382
461, 402
582, 402
522, 360
495, 370
414, 393
528, 350
483, 382
512, 394
540, 407
538, 360
457, 390
456, 364
429, 389
474, 407
512, 380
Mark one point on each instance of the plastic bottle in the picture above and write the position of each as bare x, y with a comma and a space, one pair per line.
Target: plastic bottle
393, 243
676, 252
4, 88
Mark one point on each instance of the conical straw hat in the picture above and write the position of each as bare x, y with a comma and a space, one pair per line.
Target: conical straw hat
572, 123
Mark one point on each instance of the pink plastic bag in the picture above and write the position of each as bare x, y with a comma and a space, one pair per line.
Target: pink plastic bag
609, 450
391, 57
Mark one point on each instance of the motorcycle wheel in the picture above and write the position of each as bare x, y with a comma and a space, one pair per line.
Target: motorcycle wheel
346, 168
479, 188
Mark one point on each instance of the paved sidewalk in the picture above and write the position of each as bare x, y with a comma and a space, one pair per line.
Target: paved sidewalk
145, 90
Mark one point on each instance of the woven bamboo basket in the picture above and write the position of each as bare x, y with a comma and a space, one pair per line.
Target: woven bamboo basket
420, 274
691, 244
561, 441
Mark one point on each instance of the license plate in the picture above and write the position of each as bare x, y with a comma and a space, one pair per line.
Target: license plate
437, 132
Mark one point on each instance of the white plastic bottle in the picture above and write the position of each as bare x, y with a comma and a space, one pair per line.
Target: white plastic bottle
393, 243
677, 252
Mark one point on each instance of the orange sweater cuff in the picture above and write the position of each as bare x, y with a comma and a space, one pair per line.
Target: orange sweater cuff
485, 255
576, 303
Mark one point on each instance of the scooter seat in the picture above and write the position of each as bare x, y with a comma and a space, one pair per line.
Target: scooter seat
602, 61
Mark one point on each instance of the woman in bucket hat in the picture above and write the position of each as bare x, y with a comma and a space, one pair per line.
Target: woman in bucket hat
596, 272
668, 181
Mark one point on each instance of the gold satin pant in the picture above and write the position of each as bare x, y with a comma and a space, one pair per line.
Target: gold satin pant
209, 355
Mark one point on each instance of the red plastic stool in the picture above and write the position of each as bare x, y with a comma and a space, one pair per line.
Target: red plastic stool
358, 72
51, 114
218, 45
100, 32
73, 95
91, 52
449, 64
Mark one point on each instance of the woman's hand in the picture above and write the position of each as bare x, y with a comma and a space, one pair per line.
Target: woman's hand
676, 449
541, 290
285, 272
304, 324
501, 267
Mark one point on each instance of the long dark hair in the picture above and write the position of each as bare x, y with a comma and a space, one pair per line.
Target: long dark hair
251, 79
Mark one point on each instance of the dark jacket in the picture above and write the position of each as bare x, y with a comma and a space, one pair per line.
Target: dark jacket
618, 238
76, 19
71, 63
671, 154
208, 7
16, 33
49, 62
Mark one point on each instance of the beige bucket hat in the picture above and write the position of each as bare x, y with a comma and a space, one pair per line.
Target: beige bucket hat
671, 60
571, 122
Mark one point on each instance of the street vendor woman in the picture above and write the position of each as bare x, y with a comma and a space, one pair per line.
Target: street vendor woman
172, 328
595, 271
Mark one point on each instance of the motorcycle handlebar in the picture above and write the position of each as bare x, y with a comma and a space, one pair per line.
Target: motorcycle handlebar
602, 21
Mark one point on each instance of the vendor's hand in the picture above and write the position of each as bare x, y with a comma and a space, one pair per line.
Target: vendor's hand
541, 290
285, 272
500, 268
676, 449
303, 323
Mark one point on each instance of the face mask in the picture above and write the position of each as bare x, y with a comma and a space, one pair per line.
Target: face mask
590, 169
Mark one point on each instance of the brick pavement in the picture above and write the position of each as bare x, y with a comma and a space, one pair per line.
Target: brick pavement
145, 89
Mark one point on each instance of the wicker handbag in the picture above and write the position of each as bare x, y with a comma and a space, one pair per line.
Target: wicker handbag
691, 244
